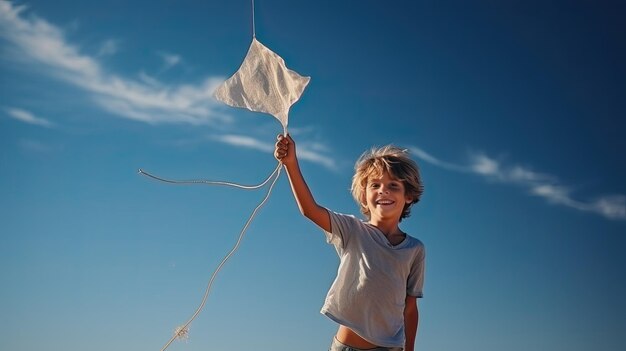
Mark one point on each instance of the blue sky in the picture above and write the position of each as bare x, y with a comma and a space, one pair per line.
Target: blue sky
513, 109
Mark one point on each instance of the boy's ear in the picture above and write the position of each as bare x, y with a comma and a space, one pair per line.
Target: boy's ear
408, 199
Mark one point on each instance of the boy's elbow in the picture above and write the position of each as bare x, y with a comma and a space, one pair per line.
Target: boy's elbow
318, 215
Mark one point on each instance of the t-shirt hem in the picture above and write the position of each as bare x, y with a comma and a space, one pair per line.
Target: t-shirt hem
355, 329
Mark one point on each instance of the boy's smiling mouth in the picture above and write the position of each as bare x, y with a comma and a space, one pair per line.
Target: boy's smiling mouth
384, 202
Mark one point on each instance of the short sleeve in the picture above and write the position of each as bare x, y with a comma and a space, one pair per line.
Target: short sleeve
341, 226
415, 282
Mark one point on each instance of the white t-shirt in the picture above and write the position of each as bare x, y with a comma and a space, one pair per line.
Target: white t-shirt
373, 280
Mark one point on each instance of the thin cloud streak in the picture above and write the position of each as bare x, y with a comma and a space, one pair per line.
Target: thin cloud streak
244, 141
28, 117
305, 152
537, 184
109, 47
169, 60
423, 155
43, 44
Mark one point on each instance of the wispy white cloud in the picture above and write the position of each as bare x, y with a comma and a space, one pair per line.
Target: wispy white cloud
543, 185
28, 117
37, 42
244, 141
431, 159
306, 153
169, 60
149, 80
313, 152
611, 206
481, 164
108, 47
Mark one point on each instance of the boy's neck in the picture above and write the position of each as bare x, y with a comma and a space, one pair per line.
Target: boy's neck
389, 228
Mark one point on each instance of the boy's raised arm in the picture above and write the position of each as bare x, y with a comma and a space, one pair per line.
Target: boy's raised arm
286, 153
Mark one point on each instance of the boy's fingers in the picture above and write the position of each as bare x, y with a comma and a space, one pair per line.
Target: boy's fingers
281, 139
280, 154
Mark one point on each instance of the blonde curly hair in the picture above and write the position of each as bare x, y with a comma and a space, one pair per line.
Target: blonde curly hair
397, 163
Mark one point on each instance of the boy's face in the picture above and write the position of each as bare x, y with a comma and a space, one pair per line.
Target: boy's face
385, 197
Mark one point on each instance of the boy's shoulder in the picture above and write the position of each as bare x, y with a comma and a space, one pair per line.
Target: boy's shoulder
414, 241
341, 215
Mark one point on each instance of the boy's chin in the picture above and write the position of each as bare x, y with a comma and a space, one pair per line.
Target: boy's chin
385, 214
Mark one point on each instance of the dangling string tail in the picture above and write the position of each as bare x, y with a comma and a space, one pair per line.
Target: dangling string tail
182, 332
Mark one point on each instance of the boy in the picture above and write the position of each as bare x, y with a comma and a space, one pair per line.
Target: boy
381, 270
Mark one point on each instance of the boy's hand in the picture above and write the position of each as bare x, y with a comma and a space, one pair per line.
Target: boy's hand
285, 150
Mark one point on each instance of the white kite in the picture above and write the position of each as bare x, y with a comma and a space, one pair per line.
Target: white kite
263, 84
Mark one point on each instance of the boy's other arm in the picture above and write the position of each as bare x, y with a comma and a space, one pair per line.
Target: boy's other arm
286, 154
411, 319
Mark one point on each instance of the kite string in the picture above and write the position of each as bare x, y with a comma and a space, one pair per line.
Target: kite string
210, 182
183, 330
253, 24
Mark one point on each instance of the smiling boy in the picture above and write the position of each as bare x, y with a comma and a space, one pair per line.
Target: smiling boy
381, 270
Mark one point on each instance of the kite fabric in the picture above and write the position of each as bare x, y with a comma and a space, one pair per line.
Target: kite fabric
263, 84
